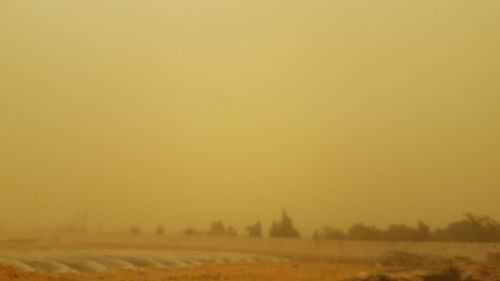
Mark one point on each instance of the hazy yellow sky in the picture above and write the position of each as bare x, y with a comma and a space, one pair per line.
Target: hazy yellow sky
183, 112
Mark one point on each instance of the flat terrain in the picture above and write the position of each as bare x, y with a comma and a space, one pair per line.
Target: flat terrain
305, 259
97, 260
296, 270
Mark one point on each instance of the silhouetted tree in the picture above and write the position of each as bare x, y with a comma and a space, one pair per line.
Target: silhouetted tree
473, 228
160, 230
438, 235
423, 232
400, 232
283, 228
230, 231
255, 230
218, 228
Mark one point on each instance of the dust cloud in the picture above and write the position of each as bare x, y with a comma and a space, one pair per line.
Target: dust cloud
246, 125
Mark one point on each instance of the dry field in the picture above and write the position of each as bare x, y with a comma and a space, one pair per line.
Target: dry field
338, 249
254, 271
307, 259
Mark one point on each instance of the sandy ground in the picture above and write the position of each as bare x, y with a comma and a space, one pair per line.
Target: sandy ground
330, 248
298, 268
290, 271
308, 266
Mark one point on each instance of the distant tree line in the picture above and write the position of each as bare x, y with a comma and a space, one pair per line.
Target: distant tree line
216, 228
282, 228
472, 228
